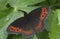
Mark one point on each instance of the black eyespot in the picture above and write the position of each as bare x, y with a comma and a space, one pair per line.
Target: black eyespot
42, 15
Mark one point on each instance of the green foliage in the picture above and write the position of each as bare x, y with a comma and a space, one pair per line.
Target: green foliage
9, 12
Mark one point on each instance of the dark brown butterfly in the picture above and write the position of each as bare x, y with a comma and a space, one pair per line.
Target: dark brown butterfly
30, 23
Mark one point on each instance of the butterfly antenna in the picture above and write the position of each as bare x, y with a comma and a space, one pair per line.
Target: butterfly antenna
25, 13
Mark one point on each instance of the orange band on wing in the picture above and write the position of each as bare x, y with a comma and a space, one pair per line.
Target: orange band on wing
39, 26
43, 13
27, 32
14, 29
17, 30
44, 10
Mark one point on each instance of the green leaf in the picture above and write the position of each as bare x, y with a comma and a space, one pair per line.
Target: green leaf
58, 11
4, 13
3, 34
24, 4
3, 4
43, 34
54, 30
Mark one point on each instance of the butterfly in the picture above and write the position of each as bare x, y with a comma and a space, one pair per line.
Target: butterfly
30, 23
